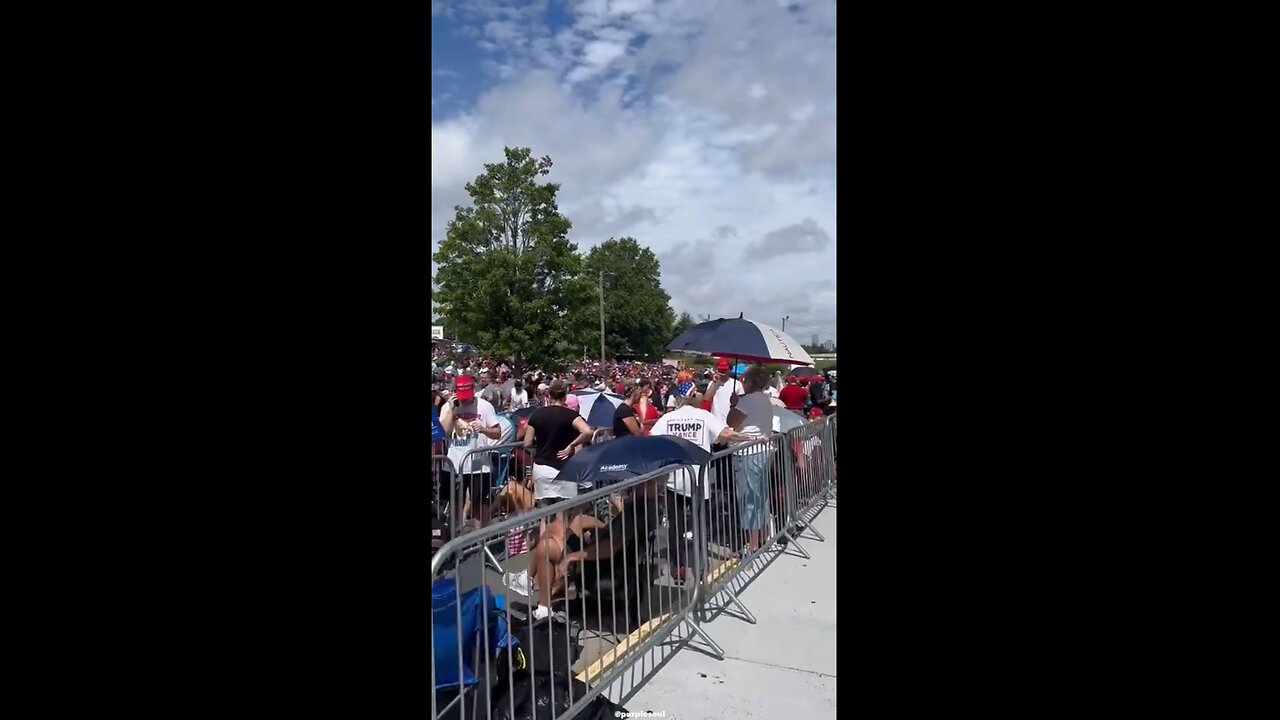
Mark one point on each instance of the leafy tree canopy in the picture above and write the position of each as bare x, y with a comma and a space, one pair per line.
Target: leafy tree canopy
510, 280
682, 323
637, 311
506, 266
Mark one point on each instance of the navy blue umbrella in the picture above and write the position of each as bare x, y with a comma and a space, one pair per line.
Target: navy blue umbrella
520, 413
597, 407
743, 340
630, 456
692, 334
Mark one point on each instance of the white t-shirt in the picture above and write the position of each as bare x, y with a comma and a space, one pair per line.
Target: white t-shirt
519, 399
460, 445
771, 391
720, 406
698, 427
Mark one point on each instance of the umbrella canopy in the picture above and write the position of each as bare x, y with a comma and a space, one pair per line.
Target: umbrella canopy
804, 372
744, 340
520, 413
631, 456
597, 407
787, 419
688, 336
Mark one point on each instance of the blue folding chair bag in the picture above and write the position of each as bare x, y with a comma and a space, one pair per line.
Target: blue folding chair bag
444, 630
437, 430
502, 458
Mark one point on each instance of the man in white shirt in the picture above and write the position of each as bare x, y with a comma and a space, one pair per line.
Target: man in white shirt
723, 391
726, 387
691, 422
472, 424
519, 396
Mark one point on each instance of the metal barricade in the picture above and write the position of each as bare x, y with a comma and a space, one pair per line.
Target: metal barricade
746, 513
493, 482
605, 566
617, 569
442, 484
814, 473
831, 421
762, 496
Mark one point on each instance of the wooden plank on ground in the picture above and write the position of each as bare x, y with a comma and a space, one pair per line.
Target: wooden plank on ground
598, 667
723, 568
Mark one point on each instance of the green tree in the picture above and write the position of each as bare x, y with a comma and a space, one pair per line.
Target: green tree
638, 316
684, 322
508, 274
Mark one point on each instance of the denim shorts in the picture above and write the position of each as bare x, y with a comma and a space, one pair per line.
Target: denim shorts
751, 470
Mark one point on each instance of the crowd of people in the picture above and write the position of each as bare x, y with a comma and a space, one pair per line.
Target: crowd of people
505, 391
714, 409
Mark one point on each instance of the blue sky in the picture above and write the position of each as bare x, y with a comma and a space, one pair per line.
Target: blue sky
704, 129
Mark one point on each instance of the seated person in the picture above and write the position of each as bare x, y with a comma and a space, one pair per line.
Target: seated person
515, 497
557, 535
623, 547
564, 545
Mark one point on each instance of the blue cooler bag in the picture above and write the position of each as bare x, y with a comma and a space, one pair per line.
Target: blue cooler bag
480, 609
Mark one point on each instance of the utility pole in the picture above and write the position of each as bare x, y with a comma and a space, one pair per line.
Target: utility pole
784, 323
602, 317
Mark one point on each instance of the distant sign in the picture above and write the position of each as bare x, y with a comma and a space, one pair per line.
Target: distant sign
437, 332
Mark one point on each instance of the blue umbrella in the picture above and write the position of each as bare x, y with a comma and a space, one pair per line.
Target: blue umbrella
691, 335
597, 407
519, 413
630, 456
743, 340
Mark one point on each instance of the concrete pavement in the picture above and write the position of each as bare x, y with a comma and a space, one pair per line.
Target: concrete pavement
782, 666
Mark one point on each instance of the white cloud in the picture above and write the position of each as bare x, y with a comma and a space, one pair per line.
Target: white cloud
705, 130
451, 154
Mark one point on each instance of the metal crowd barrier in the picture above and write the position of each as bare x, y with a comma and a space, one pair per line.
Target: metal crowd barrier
609, 608
489, 483
661, 548
763, 495
442, 485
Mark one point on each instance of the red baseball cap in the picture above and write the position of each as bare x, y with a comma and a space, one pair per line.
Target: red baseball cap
815, 412
722, 364
465, 388
791, 378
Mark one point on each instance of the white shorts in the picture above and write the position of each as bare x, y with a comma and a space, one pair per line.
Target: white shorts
545, 484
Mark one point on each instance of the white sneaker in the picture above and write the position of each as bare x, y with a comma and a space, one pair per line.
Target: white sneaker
541, 613
517, 582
